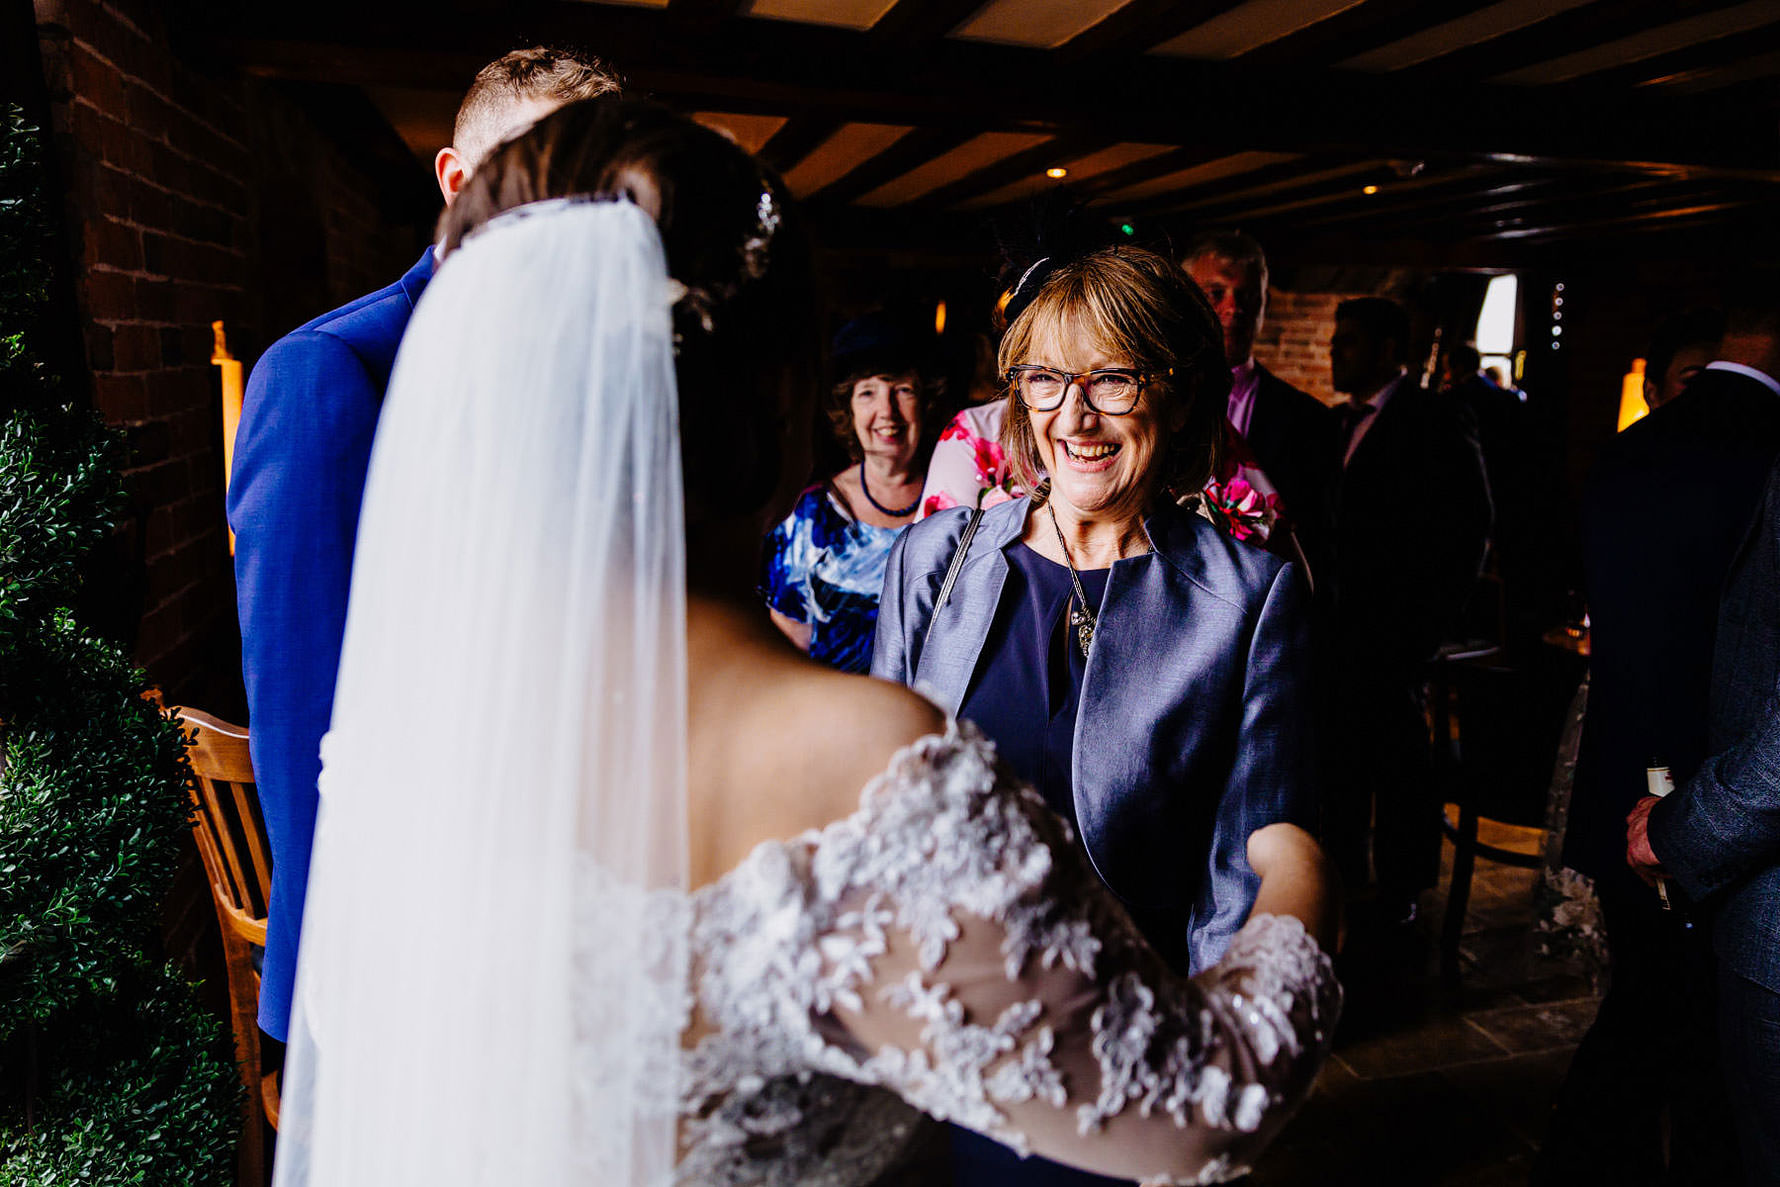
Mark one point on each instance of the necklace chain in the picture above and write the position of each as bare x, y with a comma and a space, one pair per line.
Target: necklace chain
891, 512
1083, 619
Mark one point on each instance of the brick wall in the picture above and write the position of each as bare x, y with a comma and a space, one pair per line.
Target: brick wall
1294, 338
174, 183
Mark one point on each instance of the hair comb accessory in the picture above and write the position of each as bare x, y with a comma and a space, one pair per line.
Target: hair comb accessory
756, 248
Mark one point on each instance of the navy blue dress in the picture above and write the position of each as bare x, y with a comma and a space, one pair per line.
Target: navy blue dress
1025, 698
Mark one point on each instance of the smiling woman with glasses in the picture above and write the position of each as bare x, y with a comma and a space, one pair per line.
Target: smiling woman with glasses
1148, 673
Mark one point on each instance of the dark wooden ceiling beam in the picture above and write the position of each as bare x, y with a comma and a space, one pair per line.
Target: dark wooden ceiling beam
1665, 218
1140, 25
1138, 172
703, 12
1608, 202
1462, 194
1559, 34
789, 69
1575, 207
1342, 36
796, 139
910, 153
1265, 184
1347, 190
1069, 145
911, 21
1706, 55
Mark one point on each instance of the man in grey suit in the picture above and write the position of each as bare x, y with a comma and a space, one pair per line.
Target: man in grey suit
1719, 839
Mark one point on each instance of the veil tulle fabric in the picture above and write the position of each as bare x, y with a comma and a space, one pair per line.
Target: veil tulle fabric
493, 966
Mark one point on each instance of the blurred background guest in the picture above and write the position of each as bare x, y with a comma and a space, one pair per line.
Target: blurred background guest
1290, 433
1654, 564
1683, 344
1412, 519
1504, 435
824, 565
1099, 608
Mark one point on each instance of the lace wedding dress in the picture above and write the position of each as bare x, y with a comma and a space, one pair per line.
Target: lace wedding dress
948, 944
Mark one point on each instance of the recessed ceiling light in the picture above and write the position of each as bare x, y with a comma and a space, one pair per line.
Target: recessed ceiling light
1057, 174
1371, 189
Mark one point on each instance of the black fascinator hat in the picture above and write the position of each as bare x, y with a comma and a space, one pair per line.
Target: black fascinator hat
1054, 229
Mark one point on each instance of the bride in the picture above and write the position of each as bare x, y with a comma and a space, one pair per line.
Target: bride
611, 885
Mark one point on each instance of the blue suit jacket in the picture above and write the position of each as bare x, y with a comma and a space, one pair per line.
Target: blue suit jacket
1720, 835
1194, 724
299, 474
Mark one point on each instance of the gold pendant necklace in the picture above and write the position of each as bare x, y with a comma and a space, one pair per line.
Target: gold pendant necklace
1083, 619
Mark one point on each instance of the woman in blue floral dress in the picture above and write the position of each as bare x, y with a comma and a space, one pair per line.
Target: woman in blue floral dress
824, 565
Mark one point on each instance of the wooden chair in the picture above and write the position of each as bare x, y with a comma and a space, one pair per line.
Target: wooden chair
231, 838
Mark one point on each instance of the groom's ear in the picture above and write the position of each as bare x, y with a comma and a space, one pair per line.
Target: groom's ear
452, 171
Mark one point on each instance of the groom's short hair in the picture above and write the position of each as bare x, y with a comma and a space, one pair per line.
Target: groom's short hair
538, 74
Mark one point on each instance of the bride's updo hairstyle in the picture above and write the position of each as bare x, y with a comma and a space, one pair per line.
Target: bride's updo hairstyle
1135, 305
744, 327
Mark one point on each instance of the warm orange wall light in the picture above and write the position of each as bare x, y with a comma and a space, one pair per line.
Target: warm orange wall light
229, 370
1631, 396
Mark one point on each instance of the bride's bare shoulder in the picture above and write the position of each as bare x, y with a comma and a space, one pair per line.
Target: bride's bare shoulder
793, 754
863, 722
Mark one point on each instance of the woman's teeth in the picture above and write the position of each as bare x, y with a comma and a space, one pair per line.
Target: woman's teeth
1090, 451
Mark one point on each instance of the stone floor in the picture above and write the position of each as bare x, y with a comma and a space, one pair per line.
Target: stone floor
1444, 1085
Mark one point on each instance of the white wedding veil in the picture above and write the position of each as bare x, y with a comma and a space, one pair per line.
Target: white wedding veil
492, 977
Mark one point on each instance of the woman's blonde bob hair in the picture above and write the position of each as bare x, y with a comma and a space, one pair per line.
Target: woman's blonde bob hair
1137, 306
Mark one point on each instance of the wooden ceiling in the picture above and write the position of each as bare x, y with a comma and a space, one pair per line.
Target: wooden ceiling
1460, 125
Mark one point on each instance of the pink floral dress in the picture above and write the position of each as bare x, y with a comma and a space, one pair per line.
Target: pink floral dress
969, 469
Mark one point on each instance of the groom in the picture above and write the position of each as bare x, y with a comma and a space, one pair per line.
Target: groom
299, 473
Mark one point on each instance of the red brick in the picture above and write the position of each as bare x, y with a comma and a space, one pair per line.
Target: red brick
152, 300
120, 398
196, 345
195, 517
98, 82
98, 343
157, 634
109, 296
195, 138
171, 392
157, 531
113, 243
194, 303
102, 190
213, 187
168, 169
149, 205
137, 348
160, 483
191, 431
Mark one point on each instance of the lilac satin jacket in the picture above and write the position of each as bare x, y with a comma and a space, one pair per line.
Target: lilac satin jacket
1194, 726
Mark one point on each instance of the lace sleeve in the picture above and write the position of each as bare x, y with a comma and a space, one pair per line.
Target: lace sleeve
978, 968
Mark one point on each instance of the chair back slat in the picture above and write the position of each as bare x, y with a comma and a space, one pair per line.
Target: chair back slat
230, 832
225, 828
228, 818
254, 843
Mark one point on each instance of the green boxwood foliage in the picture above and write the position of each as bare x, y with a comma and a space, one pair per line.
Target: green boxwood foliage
109, 1071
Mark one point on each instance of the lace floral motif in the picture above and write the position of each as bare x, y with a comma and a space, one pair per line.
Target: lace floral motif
824, 973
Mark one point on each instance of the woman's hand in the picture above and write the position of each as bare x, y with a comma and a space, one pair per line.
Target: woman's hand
797, 632
1296, 880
